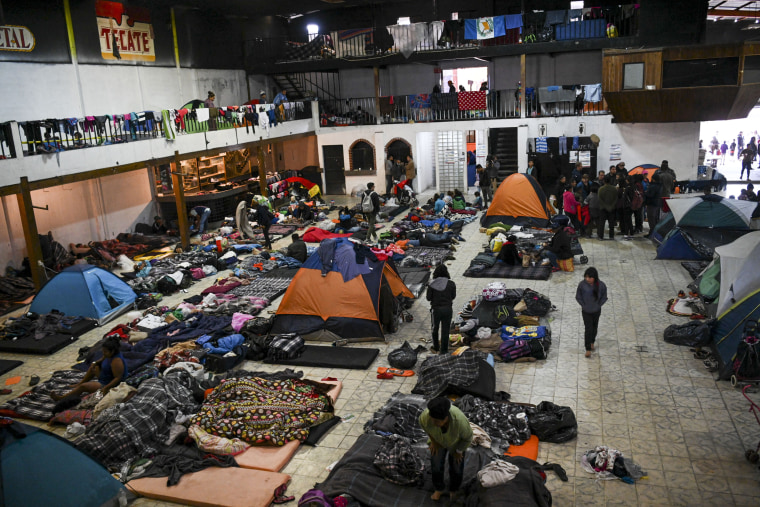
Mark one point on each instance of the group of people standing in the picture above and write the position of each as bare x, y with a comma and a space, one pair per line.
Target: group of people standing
395, 169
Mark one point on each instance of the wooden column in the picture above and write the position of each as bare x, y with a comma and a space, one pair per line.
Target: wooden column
179, 197
262, 170
523, 96
377, 94
29, 223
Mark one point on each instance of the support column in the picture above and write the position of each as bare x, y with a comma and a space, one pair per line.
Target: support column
179, 197
377, 94
262, 169
29, 223
523, 96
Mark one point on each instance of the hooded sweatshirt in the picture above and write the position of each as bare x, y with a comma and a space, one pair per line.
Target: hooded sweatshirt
585, 297
441, 293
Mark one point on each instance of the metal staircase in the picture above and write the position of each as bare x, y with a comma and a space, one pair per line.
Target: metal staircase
306, 85
502, 142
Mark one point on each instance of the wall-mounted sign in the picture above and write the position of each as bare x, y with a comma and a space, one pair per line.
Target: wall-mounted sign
542, 130
125, 32
581, 128
16, 38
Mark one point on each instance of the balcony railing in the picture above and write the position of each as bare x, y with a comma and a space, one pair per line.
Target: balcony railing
440, 107
55, 135
528, 28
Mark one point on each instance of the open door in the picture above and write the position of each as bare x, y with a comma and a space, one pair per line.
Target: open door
335, 178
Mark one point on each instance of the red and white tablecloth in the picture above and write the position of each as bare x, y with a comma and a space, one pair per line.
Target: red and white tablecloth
469, 101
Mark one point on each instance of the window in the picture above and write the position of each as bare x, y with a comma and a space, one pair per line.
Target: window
313, 31
404, 20
701, 72
633, 76
362, 157
454, 16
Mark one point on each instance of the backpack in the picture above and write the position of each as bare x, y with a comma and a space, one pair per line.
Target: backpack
638, 199
315, 498
367, 202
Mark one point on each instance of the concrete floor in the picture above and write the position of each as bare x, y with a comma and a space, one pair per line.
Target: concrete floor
649, 399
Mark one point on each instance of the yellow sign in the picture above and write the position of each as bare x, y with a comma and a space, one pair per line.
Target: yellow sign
125, 32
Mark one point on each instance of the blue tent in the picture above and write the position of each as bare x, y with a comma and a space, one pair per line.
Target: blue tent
85, 291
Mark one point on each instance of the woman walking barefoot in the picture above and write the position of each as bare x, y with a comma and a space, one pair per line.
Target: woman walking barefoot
591, 295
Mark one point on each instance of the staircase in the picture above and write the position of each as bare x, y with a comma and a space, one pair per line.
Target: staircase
502, 142
299, 86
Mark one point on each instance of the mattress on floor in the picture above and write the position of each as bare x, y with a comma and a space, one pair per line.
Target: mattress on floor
214, 487
331, 357
49, 344
501, 270
274, 459
7, 365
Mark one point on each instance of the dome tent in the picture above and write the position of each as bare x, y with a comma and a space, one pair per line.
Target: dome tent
85, 291
519, 200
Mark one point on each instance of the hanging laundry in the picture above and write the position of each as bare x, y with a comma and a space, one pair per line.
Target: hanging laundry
169, 134
541, 146
202, 114
264, 121
470, 101
593, 92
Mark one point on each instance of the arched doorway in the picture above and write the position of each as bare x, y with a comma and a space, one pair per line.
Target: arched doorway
362, 156
398, 148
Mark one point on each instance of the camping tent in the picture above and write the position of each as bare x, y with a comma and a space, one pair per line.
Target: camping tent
354, 301
85, 291
699, 224
738, 295
647, 170
519, 200
39, 468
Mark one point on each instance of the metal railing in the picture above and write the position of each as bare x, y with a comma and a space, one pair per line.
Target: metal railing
56, 135
499, 104
436, 36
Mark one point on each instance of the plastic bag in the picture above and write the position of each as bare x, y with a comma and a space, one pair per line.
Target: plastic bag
552, 423
695, 333
403, 358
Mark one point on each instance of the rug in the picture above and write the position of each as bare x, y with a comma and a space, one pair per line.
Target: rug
501, 270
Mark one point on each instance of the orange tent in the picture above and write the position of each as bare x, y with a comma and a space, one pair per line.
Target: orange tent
647, 170
519, 200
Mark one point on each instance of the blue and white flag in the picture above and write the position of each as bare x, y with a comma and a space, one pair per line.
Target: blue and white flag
484, 28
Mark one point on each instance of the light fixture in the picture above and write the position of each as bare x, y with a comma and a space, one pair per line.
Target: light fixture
312, 30
404, 21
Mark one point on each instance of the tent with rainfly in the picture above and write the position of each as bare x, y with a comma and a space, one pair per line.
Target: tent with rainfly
697, 225
352, 301
85, 291
734, 278
646, 170
40, 468
519, 200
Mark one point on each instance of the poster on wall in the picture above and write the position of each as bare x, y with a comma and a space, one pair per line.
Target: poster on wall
125, 32
616, 152
16, 38
584, 157
573, 155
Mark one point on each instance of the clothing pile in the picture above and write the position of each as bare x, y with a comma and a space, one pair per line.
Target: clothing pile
608, 463
38, 326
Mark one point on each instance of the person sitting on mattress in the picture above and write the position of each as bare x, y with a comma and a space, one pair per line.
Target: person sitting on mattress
508, 253
449, 433
109, 372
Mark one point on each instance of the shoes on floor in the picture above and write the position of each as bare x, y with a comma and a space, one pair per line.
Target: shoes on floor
593, 347
588, 353
385, 376
554, 270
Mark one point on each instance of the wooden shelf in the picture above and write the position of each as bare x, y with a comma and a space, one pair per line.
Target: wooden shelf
206, 176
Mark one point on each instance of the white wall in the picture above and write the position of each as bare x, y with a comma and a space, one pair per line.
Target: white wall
51, 90
411, 79
425, 159
356, 83
583, 67
81, 212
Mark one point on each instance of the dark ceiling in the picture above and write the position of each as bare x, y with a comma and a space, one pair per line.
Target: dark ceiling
253, 8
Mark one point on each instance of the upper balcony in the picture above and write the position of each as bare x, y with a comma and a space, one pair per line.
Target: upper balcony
530, 32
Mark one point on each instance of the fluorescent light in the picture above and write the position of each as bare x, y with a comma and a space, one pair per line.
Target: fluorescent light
576, 4
404, 21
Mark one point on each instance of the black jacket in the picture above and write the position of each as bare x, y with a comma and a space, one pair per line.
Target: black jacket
560, 245
441, 293
297, 250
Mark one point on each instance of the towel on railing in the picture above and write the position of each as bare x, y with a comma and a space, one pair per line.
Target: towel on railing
593, 92
421, 101
555, 18
469, 101
513, 21
444, 101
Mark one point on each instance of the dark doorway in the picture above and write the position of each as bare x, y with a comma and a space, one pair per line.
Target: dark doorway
335, 178
502, 142
399, 150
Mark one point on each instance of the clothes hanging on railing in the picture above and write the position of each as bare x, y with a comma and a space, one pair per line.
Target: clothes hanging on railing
471, 101
593, 92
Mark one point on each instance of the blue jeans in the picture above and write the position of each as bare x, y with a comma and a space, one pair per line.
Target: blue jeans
204, 220
548, 254
456, 470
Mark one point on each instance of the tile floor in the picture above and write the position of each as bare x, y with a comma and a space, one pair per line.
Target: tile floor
651, 400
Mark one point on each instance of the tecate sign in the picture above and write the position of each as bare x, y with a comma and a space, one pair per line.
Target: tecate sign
16, 38
125, 32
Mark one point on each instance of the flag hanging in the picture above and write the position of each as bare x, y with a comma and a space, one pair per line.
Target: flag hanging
484, 28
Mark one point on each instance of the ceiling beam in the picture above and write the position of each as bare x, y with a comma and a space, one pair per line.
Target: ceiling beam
733, 13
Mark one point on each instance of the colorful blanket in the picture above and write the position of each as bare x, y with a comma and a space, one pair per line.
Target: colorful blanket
316, 235
264, 412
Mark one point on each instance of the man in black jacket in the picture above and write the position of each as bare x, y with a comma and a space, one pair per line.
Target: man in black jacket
371, 215
297, 249
558, 248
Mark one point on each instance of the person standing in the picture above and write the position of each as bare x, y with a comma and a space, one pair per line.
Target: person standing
495, 177
607, 206
209, 102
199, 215
397, 171
740, 142
262, 97
668, 178
449, 434
723, 150
452, 88
532, 170
389, 176
264, 218
485, 184
591, 295
280, 98
625, 210
411, 171
441, 293
653, 200
747, 155
733, 147
570, 205
370, 207
592, 201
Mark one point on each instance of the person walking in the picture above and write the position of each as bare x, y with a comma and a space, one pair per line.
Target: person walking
264, 218
370, 207
411, 171
591, 295
441, 293
607, 206
723, 150
747, 155
389, 176
485, 184
449, 434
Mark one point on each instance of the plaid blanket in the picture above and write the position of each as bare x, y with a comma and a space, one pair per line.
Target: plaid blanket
285, 347
398, 462
140, 426
400, 415
264, 287
37, 403
497, 419
501, 270
425, 256
264, 412
299, 51
438, 373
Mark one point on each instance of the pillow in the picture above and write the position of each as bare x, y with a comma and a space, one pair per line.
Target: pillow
71, 416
